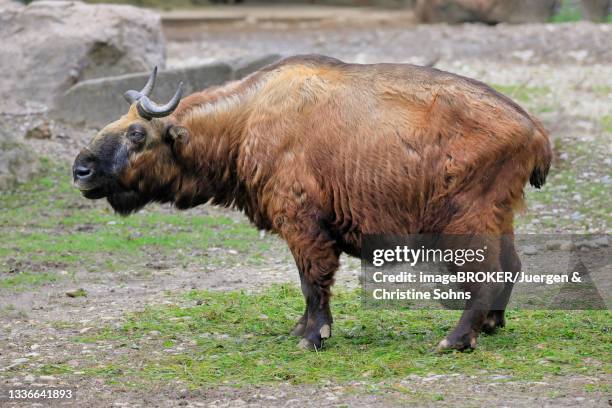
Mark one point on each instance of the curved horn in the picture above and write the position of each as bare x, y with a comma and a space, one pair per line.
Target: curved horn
146, 90
132, 96
149, 109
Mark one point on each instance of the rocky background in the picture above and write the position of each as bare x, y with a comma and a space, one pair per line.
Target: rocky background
67, 63
65, 67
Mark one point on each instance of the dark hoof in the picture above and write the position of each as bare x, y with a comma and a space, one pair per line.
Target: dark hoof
495, 320
306, 344
464, 343
314, 340
299, 329
489, 326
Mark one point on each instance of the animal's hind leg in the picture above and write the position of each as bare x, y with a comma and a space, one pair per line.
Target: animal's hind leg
483, 297
317, 259
510, 262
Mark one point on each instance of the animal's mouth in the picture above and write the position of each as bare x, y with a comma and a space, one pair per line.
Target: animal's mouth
93, 193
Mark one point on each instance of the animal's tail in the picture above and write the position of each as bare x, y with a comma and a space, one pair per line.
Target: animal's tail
542, 151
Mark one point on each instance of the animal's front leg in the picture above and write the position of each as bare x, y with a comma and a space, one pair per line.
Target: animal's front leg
317, 259
300, 327
319, 321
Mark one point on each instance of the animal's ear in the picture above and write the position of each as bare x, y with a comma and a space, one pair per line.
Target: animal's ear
176, 134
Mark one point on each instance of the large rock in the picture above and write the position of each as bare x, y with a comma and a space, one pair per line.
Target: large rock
97, 102
17, 162
484, 11
49, 46
10, 3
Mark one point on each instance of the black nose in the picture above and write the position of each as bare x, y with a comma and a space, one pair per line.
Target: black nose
82, 173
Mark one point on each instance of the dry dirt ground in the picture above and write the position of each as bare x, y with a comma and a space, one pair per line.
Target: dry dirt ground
562, 73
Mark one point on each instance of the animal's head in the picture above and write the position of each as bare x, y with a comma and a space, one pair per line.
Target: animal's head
132, 161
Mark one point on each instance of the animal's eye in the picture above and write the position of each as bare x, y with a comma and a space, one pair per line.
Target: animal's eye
136, 135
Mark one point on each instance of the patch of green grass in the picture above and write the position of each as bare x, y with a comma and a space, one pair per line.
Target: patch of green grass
11, 311
23, 280
532, 98
80, 292
522, 93
242, 339
568, 12
574, 185
606, 123
47, 222
602, 90
544, 109
596, 194
54, 369
603, 388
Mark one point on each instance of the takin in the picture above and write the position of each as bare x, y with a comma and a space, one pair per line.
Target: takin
324, 153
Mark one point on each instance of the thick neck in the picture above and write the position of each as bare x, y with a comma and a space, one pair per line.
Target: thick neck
209, 158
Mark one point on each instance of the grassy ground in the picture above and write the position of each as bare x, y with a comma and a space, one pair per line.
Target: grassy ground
242, 339
50, 232
577, 195
570, 11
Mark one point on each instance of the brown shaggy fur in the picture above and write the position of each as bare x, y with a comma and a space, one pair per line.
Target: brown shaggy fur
323, 152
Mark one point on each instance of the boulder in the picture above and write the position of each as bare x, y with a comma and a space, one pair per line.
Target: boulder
49, 46
484, 11
596, 10
10, 3
17, 162
97, 102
